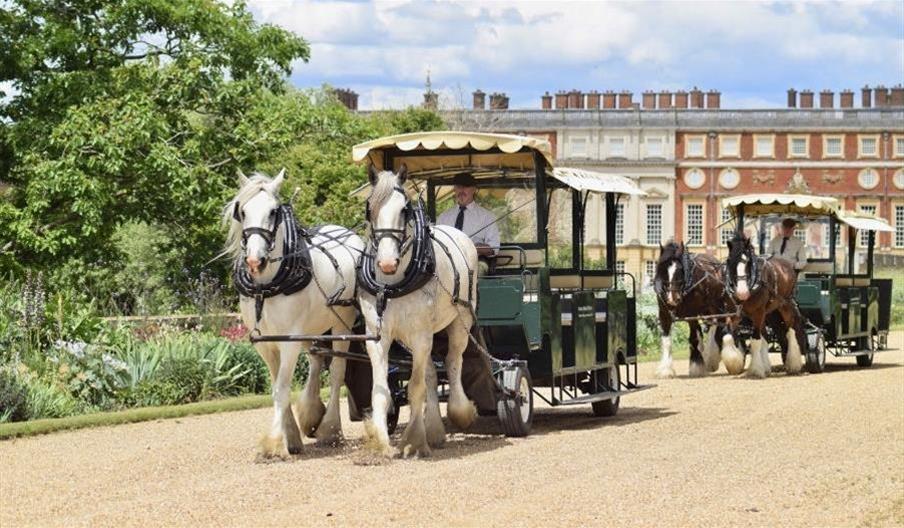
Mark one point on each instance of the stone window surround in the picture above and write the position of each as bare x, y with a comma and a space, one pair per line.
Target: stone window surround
756, 140
806, 138
737, 153
825, 145
897, 152
860, 138
686, 205
687, 142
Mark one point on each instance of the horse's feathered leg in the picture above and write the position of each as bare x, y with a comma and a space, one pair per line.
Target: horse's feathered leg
381, 398
460, 410
310, 409
414, 439
759, 354
732, 357
696, 367
433, 421
665, 369
329, 432
711, 349
795, 338
284, 427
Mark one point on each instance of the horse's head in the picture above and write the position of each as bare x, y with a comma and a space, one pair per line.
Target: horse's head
254, 217
670, 280
741, 266
388, 212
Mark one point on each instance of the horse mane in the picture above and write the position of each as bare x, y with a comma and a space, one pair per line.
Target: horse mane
386, 183
255, 184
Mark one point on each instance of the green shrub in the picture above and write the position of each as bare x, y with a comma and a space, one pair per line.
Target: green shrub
13, 397
48, 400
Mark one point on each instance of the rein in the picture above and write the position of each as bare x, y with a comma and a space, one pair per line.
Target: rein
420, 269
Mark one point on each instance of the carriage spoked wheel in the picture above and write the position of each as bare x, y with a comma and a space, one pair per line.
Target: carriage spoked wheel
867, 343
516, 411
609, 407
816, 356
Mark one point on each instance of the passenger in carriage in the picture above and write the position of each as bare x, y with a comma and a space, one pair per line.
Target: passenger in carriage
789, 247
474, 220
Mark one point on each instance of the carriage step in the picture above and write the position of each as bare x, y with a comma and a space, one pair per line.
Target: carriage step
600, 396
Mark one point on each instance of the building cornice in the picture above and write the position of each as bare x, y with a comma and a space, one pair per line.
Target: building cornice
795, 163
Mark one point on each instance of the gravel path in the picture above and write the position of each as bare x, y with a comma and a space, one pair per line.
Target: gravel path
814, 450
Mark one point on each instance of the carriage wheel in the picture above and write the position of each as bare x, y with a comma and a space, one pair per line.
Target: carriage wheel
609, 407
816, 356
516, 412
866, 343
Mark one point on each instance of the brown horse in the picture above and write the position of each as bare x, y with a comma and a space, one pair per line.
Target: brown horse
689, 285
764, 286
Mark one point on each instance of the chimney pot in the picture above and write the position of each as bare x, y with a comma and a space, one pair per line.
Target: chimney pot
806, 99
593, 100
609, 100
792, 98
826, 99
681, 99
649, 100
546, 101
665, 99
846, 99
897, 96
866, 97
561, 100
713, 99
624, 99
479, 100
696, 98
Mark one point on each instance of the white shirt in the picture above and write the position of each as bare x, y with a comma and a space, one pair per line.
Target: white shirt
479, 224
795, 251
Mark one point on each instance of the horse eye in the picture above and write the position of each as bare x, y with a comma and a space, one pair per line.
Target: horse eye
272, 213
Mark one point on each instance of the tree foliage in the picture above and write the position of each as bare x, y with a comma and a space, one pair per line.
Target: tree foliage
126, 112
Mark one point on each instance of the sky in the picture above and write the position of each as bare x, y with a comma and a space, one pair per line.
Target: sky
750, 51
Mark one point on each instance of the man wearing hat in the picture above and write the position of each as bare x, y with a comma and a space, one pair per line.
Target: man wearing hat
789, 247
469, 217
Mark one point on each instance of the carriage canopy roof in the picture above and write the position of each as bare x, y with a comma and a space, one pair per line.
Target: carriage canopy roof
596, 182
805, 205
492, 151
791, 204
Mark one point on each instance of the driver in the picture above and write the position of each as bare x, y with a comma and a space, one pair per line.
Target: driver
789, 247
475, 221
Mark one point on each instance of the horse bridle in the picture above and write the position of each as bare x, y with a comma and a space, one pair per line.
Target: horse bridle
750, 276
400, 236
269, 235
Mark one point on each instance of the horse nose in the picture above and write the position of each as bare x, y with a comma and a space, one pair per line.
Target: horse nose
389, 267
254, 264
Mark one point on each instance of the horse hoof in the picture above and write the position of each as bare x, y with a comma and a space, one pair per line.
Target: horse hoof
697, 370
271, 446
665, 372
415, 451
294, 450
309, 418
462, 415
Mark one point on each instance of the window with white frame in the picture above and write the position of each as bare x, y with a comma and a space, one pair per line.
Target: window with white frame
868, 178
869, 146
899, 146
727, 230
579, 146
620, 224
797, 146
899, 226
693, 224
650, 271
764, 146
863, 235
616, 147
693, 147
655, 147
833, 147
729, 146
654, 223
620, 266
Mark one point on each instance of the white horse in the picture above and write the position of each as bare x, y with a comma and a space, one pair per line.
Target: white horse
257, 231
412, 319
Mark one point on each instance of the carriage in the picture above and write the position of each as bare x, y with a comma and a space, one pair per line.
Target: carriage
847, 311
555, 320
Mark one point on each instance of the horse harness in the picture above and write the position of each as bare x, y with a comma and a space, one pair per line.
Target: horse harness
295, 269
422, 266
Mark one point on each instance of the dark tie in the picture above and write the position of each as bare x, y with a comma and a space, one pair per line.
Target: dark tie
460, 219
784, 241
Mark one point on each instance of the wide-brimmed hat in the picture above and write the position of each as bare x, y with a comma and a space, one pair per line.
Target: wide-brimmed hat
465, 179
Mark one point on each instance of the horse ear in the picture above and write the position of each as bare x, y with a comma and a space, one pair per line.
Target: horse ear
237, 212
403, 173
372, 174
243, 180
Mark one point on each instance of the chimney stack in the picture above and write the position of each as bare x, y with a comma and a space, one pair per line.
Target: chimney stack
826, 99
792, 98
624, 99
593, 100
696, 98
575, 99
665, 100
806, 99
609, 100
546, 101
561, 100
714, 99
480, 100
847, 99
680, 99
649, 100
882, 98
897, 96
867, 96
498, 101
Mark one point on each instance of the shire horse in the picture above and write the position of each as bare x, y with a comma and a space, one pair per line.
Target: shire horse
415, 280
689, 285
765, 286
292, 281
